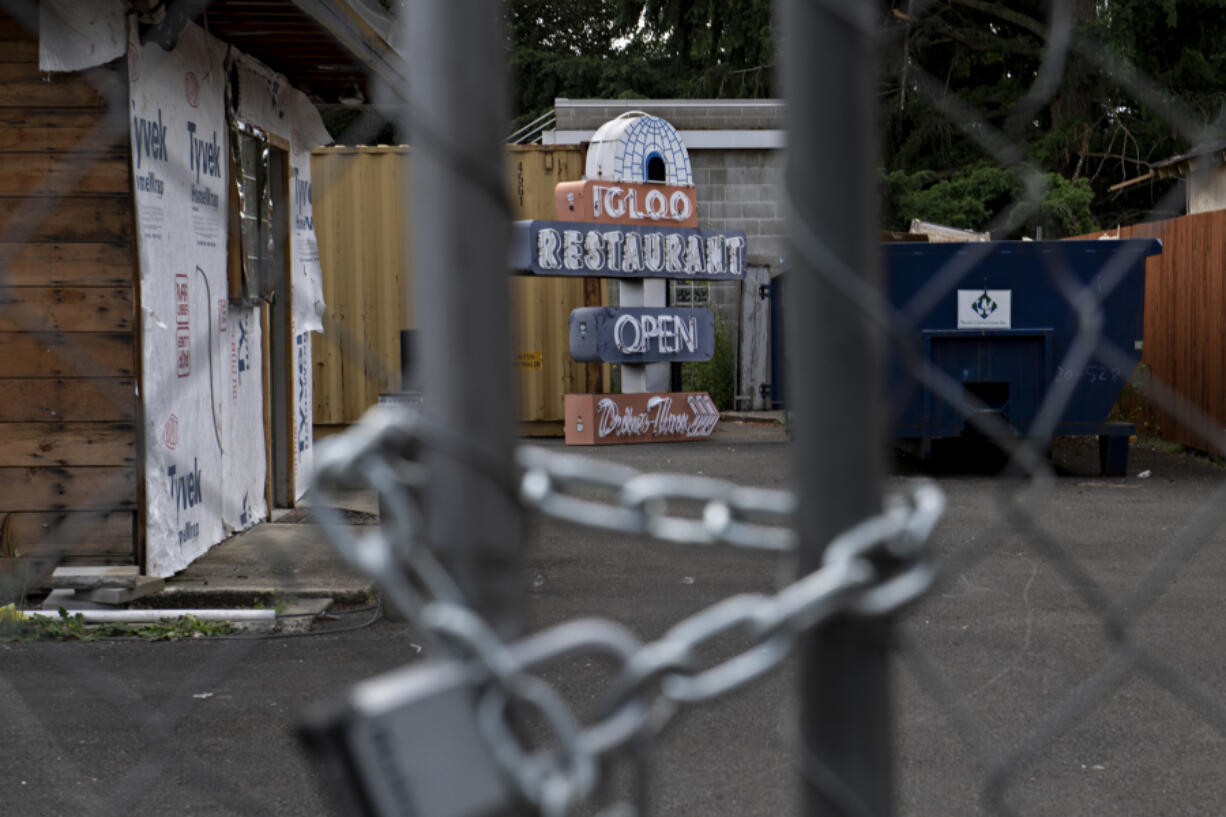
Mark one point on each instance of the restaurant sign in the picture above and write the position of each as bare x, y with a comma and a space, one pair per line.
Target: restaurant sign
634, 216
605, 202
641, 334
603, 419
627, 251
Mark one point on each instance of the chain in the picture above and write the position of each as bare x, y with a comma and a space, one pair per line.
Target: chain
642, 502
871, 569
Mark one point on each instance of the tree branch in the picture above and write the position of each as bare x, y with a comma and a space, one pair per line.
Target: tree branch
1008, 15
1010, 46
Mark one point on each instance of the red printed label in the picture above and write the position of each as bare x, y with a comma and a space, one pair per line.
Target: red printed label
170, 432
183, 335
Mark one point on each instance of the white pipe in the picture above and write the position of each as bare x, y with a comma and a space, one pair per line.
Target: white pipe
154, 616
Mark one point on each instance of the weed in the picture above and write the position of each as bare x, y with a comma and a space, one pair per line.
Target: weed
716, 376
1134, 405
14, 627
1168, 447
1159, 444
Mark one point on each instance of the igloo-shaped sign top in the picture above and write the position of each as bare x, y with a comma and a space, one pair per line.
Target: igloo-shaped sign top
639, 147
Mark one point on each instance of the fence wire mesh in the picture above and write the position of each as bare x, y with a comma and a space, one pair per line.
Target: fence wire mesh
1065, 661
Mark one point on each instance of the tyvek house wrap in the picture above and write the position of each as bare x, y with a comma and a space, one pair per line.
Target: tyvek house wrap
77, 34
266, 100
201, 378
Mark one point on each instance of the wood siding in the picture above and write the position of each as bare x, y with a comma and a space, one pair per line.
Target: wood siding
1181, 384
361, 214
80, 309
58, 354
66, 265
68, 406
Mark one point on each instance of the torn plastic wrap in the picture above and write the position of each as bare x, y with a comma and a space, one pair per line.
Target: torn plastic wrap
240, 199
266, 101
306, 134
250, 158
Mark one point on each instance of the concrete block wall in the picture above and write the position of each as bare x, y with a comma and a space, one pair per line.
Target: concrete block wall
682, 114
743, 190
721, 297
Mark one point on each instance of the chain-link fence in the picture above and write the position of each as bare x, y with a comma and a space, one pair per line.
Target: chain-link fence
563, 633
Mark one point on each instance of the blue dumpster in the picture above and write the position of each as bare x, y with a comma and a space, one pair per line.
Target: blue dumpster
995, 319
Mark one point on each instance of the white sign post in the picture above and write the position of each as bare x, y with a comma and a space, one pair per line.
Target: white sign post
638, 378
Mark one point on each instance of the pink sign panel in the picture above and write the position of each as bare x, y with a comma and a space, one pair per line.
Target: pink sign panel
605, 419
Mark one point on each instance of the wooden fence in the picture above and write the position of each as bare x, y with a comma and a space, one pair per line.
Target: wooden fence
361, 214
1185, 333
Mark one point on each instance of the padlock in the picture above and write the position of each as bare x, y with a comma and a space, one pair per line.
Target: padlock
408, 744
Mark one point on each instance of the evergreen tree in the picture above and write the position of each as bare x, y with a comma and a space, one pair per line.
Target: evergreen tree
625, 49
1140, 80
1092, 128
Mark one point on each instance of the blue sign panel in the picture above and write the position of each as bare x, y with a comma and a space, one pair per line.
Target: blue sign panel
641, 334
626, 251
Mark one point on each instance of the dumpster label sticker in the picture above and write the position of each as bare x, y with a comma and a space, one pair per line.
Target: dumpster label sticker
985, 309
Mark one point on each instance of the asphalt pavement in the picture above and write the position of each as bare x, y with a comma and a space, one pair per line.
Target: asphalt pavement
1011, 680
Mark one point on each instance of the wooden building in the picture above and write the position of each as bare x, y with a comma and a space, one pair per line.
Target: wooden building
84, 144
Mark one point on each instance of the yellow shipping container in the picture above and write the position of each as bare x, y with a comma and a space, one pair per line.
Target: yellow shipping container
360, 205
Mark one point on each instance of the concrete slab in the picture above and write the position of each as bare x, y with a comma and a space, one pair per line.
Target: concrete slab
365, 501
145, 586
765, 417
299, 614
264, 563
95, 576
66, 599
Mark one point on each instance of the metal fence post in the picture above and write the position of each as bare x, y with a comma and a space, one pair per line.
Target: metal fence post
834, 385
460, 235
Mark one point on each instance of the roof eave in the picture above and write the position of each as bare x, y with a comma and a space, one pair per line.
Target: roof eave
354, 33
